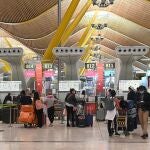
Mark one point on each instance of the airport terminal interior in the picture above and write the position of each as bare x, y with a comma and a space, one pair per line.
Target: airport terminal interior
74, 74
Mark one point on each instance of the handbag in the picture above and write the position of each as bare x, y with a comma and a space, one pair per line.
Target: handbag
38, 104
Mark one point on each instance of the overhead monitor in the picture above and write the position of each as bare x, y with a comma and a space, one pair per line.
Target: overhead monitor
125, 84
10, 86
66, 85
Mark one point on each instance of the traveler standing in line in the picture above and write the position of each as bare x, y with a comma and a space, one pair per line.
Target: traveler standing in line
131, 95
50, 101
111, 115
71, 104
25, 99
38, 109
7, 98
143, 110
108, 93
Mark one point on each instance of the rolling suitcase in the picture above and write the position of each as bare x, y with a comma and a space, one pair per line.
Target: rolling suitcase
89, 120
100, 114
80, 121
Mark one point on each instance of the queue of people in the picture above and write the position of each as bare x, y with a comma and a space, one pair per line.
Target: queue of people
140, 100
39, 103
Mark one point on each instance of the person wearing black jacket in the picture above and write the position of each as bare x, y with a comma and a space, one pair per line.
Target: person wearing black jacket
143, 110
71, 104
7, 98
131, 95
25, 99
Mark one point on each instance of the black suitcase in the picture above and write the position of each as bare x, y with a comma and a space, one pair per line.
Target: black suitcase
80, 121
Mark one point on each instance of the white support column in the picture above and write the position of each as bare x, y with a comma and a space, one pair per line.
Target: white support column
70, 56
128, 55
14, 57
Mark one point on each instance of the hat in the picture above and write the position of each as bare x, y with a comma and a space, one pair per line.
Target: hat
132, 88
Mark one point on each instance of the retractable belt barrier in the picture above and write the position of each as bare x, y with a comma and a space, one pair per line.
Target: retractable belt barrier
10, 106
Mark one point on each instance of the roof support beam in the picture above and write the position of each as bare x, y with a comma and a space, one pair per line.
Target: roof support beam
75, 22
58, 35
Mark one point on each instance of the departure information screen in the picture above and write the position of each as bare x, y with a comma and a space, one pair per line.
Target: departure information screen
10, 86
66, 85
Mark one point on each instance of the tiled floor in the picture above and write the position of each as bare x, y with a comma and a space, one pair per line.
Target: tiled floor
60, 137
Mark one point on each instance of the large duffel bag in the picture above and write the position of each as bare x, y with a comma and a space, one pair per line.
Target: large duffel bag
27, 108
26, 117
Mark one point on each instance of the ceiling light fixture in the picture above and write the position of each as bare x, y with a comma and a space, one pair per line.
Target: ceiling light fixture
103, 3
97, 38
99, 26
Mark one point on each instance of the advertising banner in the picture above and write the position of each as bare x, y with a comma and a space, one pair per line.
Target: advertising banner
38, 77
100, 78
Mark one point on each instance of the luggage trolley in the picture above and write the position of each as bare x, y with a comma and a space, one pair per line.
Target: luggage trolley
122, 121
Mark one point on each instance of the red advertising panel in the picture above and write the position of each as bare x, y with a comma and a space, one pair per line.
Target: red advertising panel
38, 77
90, 108
100, 78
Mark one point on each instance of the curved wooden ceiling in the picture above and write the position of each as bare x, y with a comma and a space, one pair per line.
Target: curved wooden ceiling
34, 23
15, 11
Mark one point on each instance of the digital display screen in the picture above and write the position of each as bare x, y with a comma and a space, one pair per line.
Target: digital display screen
66, 85
10, 86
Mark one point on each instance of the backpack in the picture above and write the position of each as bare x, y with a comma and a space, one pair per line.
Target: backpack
109, 104
123, 104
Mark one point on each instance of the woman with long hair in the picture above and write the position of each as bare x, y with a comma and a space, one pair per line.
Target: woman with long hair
111, 115
38, 109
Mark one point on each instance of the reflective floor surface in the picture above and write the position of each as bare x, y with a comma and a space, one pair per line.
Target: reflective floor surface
60, 137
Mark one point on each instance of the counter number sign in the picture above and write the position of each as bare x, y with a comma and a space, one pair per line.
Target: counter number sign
29, 66
47, 66
90, 66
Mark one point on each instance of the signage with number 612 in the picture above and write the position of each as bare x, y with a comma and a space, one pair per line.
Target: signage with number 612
90, 66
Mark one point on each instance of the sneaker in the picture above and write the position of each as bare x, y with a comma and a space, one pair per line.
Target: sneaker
144, 136
51, 125
117, 133
126, 133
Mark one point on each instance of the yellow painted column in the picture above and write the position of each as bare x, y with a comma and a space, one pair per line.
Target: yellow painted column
76, 21
7, 41
63, 25
7, 67
83, 69
86, 52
